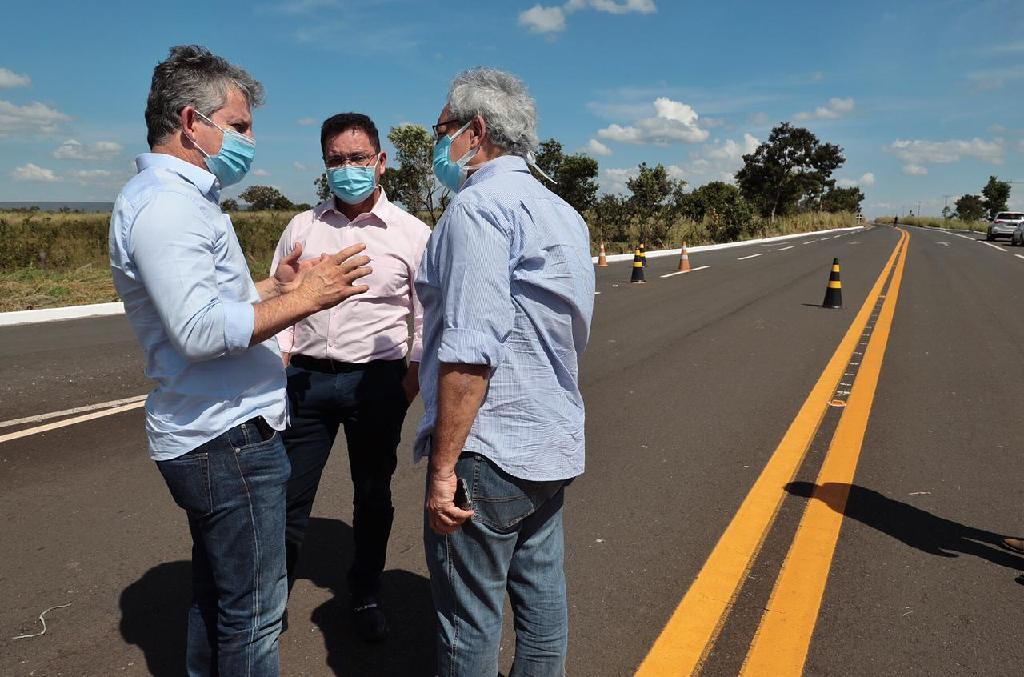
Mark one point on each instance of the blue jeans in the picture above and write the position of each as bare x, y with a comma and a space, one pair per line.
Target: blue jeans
233, 490
369, 402
513, 543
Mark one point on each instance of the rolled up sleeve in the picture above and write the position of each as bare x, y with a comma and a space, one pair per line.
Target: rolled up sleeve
173, 246
476, 287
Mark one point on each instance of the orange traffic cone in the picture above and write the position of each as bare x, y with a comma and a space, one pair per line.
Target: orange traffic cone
684, 260
602, 258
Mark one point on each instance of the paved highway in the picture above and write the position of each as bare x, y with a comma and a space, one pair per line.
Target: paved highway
732, 423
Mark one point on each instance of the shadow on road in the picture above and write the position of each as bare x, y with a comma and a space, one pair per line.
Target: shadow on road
915, 527
155, 607
405, 596
153, 613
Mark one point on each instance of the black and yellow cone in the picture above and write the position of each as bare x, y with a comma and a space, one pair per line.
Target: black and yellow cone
834, 291
643, 256
638, 267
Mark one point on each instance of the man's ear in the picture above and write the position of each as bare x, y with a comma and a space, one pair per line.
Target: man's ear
479, 127
188, 119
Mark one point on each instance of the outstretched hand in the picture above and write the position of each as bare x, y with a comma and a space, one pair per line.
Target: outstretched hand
290, 270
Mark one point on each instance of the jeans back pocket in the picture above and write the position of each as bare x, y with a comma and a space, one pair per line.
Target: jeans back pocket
498, 501
188, 478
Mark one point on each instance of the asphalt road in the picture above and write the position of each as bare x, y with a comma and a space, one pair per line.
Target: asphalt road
691, 382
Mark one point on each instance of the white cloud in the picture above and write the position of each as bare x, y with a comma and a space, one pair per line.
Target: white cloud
260, 172
673, 121
759, 119
865, 180
614, 180
73, 149
34, 118
551, 19
299, 167
834, 109
9, 78
719, 161
595, 147
540, 19
307, 122
994, 79
915, 154
31, 172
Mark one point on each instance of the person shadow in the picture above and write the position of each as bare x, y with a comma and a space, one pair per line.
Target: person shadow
912, 526
155, 607
409, 648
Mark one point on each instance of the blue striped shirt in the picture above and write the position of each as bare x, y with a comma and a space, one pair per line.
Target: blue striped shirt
181, 273
507, 281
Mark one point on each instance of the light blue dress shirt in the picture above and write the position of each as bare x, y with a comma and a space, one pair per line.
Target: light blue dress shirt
187, 291
507, 281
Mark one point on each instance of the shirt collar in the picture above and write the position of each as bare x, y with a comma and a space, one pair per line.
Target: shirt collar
203, 180
375, 215
499, 165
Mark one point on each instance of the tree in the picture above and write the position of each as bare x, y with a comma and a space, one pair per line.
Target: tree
650, 189
997, 194
411, 181
947, 213
791, 166
610, 217
970, 208
265, 197
842, 200
229, 205
323, 189
720, 206
574, 176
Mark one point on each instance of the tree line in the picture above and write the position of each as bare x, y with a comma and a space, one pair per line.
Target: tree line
993, 199
789, 173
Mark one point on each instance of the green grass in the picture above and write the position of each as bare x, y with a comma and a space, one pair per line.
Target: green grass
934, 222
50, 260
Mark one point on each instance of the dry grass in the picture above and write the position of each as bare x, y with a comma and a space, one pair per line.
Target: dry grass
29, 288
934, 222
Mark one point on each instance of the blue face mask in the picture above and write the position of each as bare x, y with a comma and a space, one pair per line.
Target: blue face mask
352, 185
452, 174
232, 162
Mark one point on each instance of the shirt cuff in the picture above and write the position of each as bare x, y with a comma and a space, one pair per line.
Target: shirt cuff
239, 321
286, 339
416, 352
467, 346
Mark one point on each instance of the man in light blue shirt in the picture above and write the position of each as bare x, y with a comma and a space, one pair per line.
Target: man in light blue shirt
507, 287
207, 332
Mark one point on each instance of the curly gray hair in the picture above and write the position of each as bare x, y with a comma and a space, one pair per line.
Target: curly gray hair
501, 99
193, 76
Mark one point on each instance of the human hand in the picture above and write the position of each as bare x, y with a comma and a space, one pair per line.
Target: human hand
329, 280
444, 517
290, 270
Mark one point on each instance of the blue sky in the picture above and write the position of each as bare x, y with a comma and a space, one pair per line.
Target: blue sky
926, 97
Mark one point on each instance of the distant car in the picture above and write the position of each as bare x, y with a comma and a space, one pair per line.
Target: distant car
1018, 235
1004, 225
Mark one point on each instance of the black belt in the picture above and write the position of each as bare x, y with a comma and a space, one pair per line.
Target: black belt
334, 366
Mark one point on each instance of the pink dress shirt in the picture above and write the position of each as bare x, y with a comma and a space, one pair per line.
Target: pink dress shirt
372, 325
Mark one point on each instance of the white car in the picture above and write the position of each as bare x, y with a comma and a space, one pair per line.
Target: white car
1003, 225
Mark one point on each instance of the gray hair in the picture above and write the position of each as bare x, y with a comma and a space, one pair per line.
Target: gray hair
193, 76
501, 99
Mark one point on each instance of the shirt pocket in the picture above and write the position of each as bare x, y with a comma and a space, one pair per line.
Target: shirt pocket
389, 279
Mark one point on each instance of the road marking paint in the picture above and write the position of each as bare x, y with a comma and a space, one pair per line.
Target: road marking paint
811, 242
1019, 256
744, 258
70, 421
68, 412
597, 293
785, 248
781, 643
835, 236
944, 244
683, 272
690, 633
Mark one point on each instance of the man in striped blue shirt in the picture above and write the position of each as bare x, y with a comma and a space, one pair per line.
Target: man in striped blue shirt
507, 287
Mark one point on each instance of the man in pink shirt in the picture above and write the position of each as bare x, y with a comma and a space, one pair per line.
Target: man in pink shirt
347, 365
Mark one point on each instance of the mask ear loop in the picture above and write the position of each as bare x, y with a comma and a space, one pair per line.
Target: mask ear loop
531, 160
196, 143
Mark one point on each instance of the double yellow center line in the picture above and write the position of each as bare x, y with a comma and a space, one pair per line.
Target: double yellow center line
781, 643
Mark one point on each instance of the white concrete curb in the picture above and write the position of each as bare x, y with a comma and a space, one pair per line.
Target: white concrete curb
100, 309
66, 313
725, 245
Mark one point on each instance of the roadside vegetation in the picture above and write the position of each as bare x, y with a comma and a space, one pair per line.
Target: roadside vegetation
969, 212
934, 222
785, 186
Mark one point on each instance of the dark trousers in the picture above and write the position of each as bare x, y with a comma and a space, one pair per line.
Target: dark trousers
369, 402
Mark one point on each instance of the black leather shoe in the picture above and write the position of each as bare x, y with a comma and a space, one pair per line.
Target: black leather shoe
369, 619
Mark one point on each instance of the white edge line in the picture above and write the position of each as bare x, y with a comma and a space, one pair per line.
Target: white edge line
66, 313
683, 272
726, 245
69, 421
68, 412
